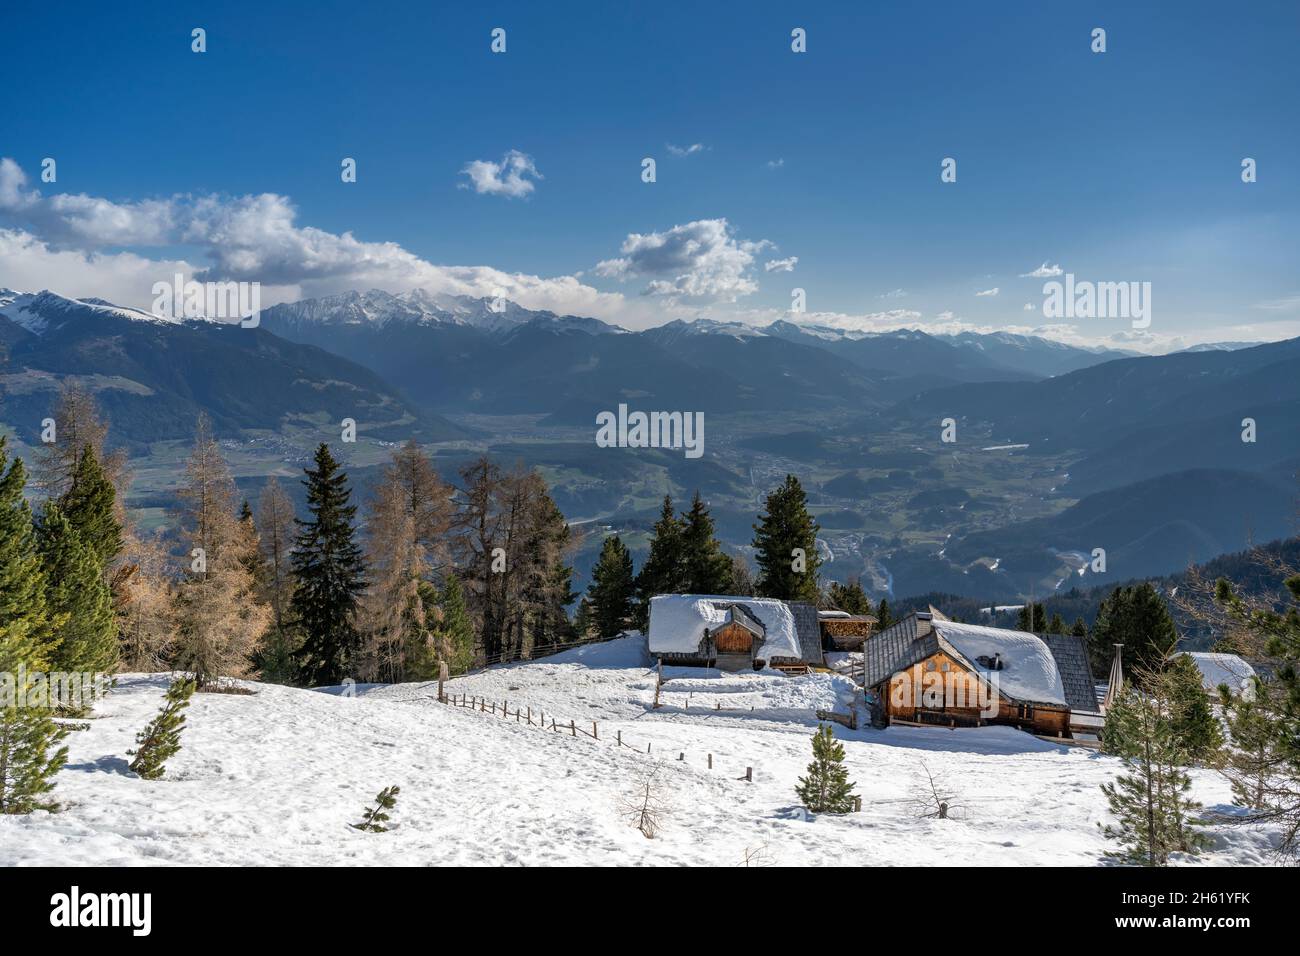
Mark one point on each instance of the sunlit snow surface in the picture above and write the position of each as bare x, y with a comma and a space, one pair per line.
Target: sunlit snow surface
275, 778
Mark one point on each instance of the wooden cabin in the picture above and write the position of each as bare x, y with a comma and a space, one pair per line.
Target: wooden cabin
926, 669
842, 631
733, 633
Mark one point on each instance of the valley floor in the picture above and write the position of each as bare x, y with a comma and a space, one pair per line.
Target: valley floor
274, 778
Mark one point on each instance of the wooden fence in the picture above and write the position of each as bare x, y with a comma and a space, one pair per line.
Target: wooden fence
524, 714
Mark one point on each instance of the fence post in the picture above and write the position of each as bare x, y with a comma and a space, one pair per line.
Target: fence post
573, 729
442, 680
710, 761
749, 774
681, 756
619, 737
593, 731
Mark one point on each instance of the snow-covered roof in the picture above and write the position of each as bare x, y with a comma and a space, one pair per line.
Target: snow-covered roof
1028, 673
678, 621
1219, 669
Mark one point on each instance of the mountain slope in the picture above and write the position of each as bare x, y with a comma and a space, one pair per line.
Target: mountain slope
1138, 417
275, 777
1149, 528
153, 376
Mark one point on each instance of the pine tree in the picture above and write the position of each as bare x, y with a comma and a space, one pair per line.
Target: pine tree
1032, 618
375, 818
612, 588
1056, 625
1256, 752
1079, 628
583, 624
25, 637
30, 756
1154, 817
90, 506
1192, 715
1263, 764
826, 788
329, 574
161, 738
77, 598
850, 597
662, 571
785, 540
1138, 618
456, 628
706, 568
883, 618
30, 751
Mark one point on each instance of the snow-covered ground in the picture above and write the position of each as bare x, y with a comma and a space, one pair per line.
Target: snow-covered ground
274, 778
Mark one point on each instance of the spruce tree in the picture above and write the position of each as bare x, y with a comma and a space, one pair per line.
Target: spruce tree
785, 540
30, 751
1079, 628
662, 571
1137, 617
456, 627
90, 506
706, 568
826, 788
330, 575
25, 636
583, 623
30, 755
850, 597
161, 738
1032, 618
1191, 712
883, 618
77, 598
612, 589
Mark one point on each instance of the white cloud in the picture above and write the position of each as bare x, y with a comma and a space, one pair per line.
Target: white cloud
81, 219
254, 238
700, 261
987, 292
513, 177
1043, 272
685, 150
1029, 307
775, 163
781, 265
894, 294
28, 264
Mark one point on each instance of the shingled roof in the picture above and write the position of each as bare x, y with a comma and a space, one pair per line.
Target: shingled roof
897, 648
1071, 654
1050, 669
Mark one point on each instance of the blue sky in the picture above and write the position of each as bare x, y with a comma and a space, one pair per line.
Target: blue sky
1116, 166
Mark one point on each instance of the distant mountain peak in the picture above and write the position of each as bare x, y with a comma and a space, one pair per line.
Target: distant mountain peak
37, 312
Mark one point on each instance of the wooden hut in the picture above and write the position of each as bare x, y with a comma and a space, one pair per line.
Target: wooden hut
926, 669
733, 633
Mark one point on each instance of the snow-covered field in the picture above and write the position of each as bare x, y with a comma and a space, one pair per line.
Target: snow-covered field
274, 778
